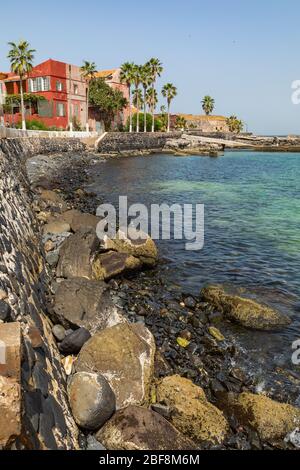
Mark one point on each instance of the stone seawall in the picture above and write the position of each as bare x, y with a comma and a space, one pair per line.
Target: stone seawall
41, 418
121, 142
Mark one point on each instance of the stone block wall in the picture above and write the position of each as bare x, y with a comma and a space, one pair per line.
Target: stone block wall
45, 418
120, 142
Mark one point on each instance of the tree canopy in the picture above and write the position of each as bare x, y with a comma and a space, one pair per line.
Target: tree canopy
108, 100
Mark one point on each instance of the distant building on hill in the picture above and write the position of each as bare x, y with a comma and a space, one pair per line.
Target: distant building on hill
203, 122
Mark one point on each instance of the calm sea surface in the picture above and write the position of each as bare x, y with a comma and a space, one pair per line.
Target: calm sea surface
252, 225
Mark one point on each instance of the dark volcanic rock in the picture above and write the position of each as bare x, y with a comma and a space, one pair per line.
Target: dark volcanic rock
84, 303
91, 399
76, 255
4, 310
73, 343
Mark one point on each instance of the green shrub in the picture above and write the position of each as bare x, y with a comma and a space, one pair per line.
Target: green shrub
157, 123
33, 125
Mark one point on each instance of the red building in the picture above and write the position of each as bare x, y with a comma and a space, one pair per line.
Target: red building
62, 87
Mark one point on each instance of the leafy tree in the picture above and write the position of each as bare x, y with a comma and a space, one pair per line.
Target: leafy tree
235, 125
208, 104
127, 76
163, 118
21, 62
157, 122
107, 100
155, 69
169, 92
88, 71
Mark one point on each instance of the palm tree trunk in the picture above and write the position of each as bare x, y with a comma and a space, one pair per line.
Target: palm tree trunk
153, 121
130, 110
145, 112
169, 104
22, 105
137, 114
87, 108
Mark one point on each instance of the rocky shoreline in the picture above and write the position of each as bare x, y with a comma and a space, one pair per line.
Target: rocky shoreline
139, 351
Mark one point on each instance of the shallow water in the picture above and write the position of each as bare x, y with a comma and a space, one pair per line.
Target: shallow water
252, 226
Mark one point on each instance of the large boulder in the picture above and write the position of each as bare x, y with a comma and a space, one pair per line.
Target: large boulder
191, 413
76, 255
79, 220
112, 264
246, 312
271, 419
136, 428
124, 355
91, 399
85, 303
142, 248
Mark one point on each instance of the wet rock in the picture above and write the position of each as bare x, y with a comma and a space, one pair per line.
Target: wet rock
112, 264
192, 414
4, 310
272, 420
190, 302
213, 331
56, 227
143, 248
124, 354
59, 332
73, 342
136, 428
85, 303
246, 312
91, 399
76, 255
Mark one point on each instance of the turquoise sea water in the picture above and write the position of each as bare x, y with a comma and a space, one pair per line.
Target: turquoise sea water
252, 222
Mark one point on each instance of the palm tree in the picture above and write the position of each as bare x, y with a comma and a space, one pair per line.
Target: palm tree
137, 71
151, 100
169, 91
127, 76
208, 104
156, 69
88, 71
146, 80
21, 59
137, 98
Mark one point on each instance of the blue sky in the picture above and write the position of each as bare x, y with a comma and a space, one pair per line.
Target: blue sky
245, 54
